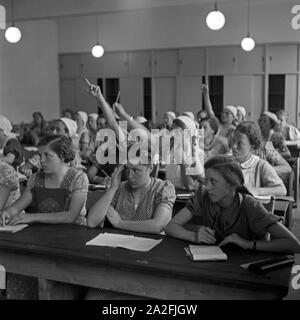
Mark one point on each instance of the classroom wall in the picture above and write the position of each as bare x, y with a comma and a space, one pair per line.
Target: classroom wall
177, 27
29, 78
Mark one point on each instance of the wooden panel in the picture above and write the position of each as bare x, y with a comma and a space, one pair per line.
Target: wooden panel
257, 100
69, 66
283, 59
189, 95
250, 62
139, 63
191, 62
90, 66
115, 65
221, 60
131, 96
68, 94
165, 96
166, 63
290, 102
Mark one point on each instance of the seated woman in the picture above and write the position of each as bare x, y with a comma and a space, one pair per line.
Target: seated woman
55, 195
213, 143
288, 131
241, 114
169, 117
268, 122
178, 173
9, 185
260, 177
229, 214
81, 119
37, 130
62, 127
92, 131
141, 204
12, 149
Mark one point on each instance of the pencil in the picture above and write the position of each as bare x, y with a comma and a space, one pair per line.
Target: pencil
105, 173
118, 97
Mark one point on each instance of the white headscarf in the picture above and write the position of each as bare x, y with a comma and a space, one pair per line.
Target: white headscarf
171, 114
242, 110
232, 109
189, 114
6, 127
71, 125
83, 115
141, 119
93, 115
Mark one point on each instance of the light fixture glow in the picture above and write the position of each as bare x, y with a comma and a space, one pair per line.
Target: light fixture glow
13, 34
215, 20
97, 51
248, 44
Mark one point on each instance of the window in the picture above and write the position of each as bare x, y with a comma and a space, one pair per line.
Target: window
112, 89
216, 88
147, 98
276, 92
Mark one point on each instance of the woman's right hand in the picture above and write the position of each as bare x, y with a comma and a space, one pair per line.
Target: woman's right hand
5, 218
116, 177
204, 89
93, 90
205, 235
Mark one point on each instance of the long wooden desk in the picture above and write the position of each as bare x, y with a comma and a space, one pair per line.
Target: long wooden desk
57, 255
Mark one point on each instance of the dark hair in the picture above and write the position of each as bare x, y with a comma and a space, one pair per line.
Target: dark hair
43, 122
61, 145
179, 123
282, 112
252, 131
213, 122
230, 170
69, 111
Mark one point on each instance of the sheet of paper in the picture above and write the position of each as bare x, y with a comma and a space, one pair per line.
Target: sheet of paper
124, 241
13, 229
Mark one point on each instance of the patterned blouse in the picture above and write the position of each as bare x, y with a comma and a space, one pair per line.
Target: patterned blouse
158, 193
9, 179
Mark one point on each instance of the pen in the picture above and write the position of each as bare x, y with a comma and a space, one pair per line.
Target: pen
105, 173
118, 97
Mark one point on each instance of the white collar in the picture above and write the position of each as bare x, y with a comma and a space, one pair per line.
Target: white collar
250, 163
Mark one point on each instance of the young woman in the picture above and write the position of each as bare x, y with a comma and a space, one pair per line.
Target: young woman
269, 124
12, 149
92, 131
179, 174
55, 195
141, 203
81, 119
213, 143
228, 214
169, 117
37, 129
260, 177
241, 114
9, 185
288, 131
228, 115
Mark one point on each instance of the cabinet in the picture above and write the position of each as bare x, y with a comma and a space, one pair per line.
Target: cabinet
115, 65
191, 62
166, 63
189, 95
282, 59
250, 62
90, 66
131, 96
69, 66
221, 60
139, 63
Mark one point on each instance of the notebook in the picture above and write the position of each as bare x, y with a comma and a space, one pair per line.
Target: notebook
13, 229
206, 253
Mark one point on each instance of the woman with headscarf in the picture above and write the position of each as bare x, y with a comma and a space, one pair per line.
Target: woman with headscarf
289, 132
228, 116
241, 114
189, 171
81, 119
92, 132
169, 117
12, 148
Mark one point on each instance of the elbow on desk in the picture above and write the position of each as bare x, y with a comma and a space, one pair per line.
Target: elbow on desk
92, 223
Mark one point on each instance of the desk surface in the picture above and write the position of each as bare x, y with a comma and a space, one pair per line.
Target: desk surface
59, 253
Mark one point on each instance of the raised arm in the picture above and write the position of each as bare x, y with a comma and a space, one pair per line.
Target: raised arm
97, 213
207, 103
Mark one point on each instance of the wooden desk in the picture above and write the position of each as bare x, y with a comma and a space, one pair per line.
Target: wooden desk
59, 255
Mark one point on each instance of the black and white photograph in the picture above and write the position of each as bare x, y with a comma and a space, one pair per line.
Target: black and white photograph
149, 153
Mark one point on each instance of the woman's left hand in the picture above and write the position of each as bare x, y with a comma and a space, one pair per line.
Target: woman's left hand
113, 217
236, 239
22, 218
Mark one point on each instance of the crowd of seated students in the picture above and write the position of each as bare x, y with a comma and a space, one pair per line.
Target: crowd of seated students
242, 160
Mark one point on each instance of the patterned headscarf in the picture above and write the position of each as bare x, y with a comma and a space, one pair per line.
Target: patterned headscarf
71, 125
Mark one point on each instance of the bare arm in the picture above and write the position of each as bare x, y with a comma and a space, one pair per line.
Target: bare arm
9, 158
4, 194
207, 103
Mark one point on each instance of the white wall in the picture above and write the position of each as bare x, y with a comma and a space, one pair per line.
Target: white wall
177, 27
29, 78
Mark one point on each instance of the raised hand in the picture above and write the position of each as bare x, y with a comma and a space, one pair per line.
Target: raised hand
93, 90
116, 177
204, 89
119, 109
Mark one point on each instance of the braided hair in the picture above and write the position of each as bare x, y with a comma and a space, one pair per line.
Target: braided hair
230, 170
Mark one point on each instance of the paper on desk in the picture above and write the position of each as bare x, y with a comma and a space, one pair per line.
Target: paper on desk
124, 241
13, 229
